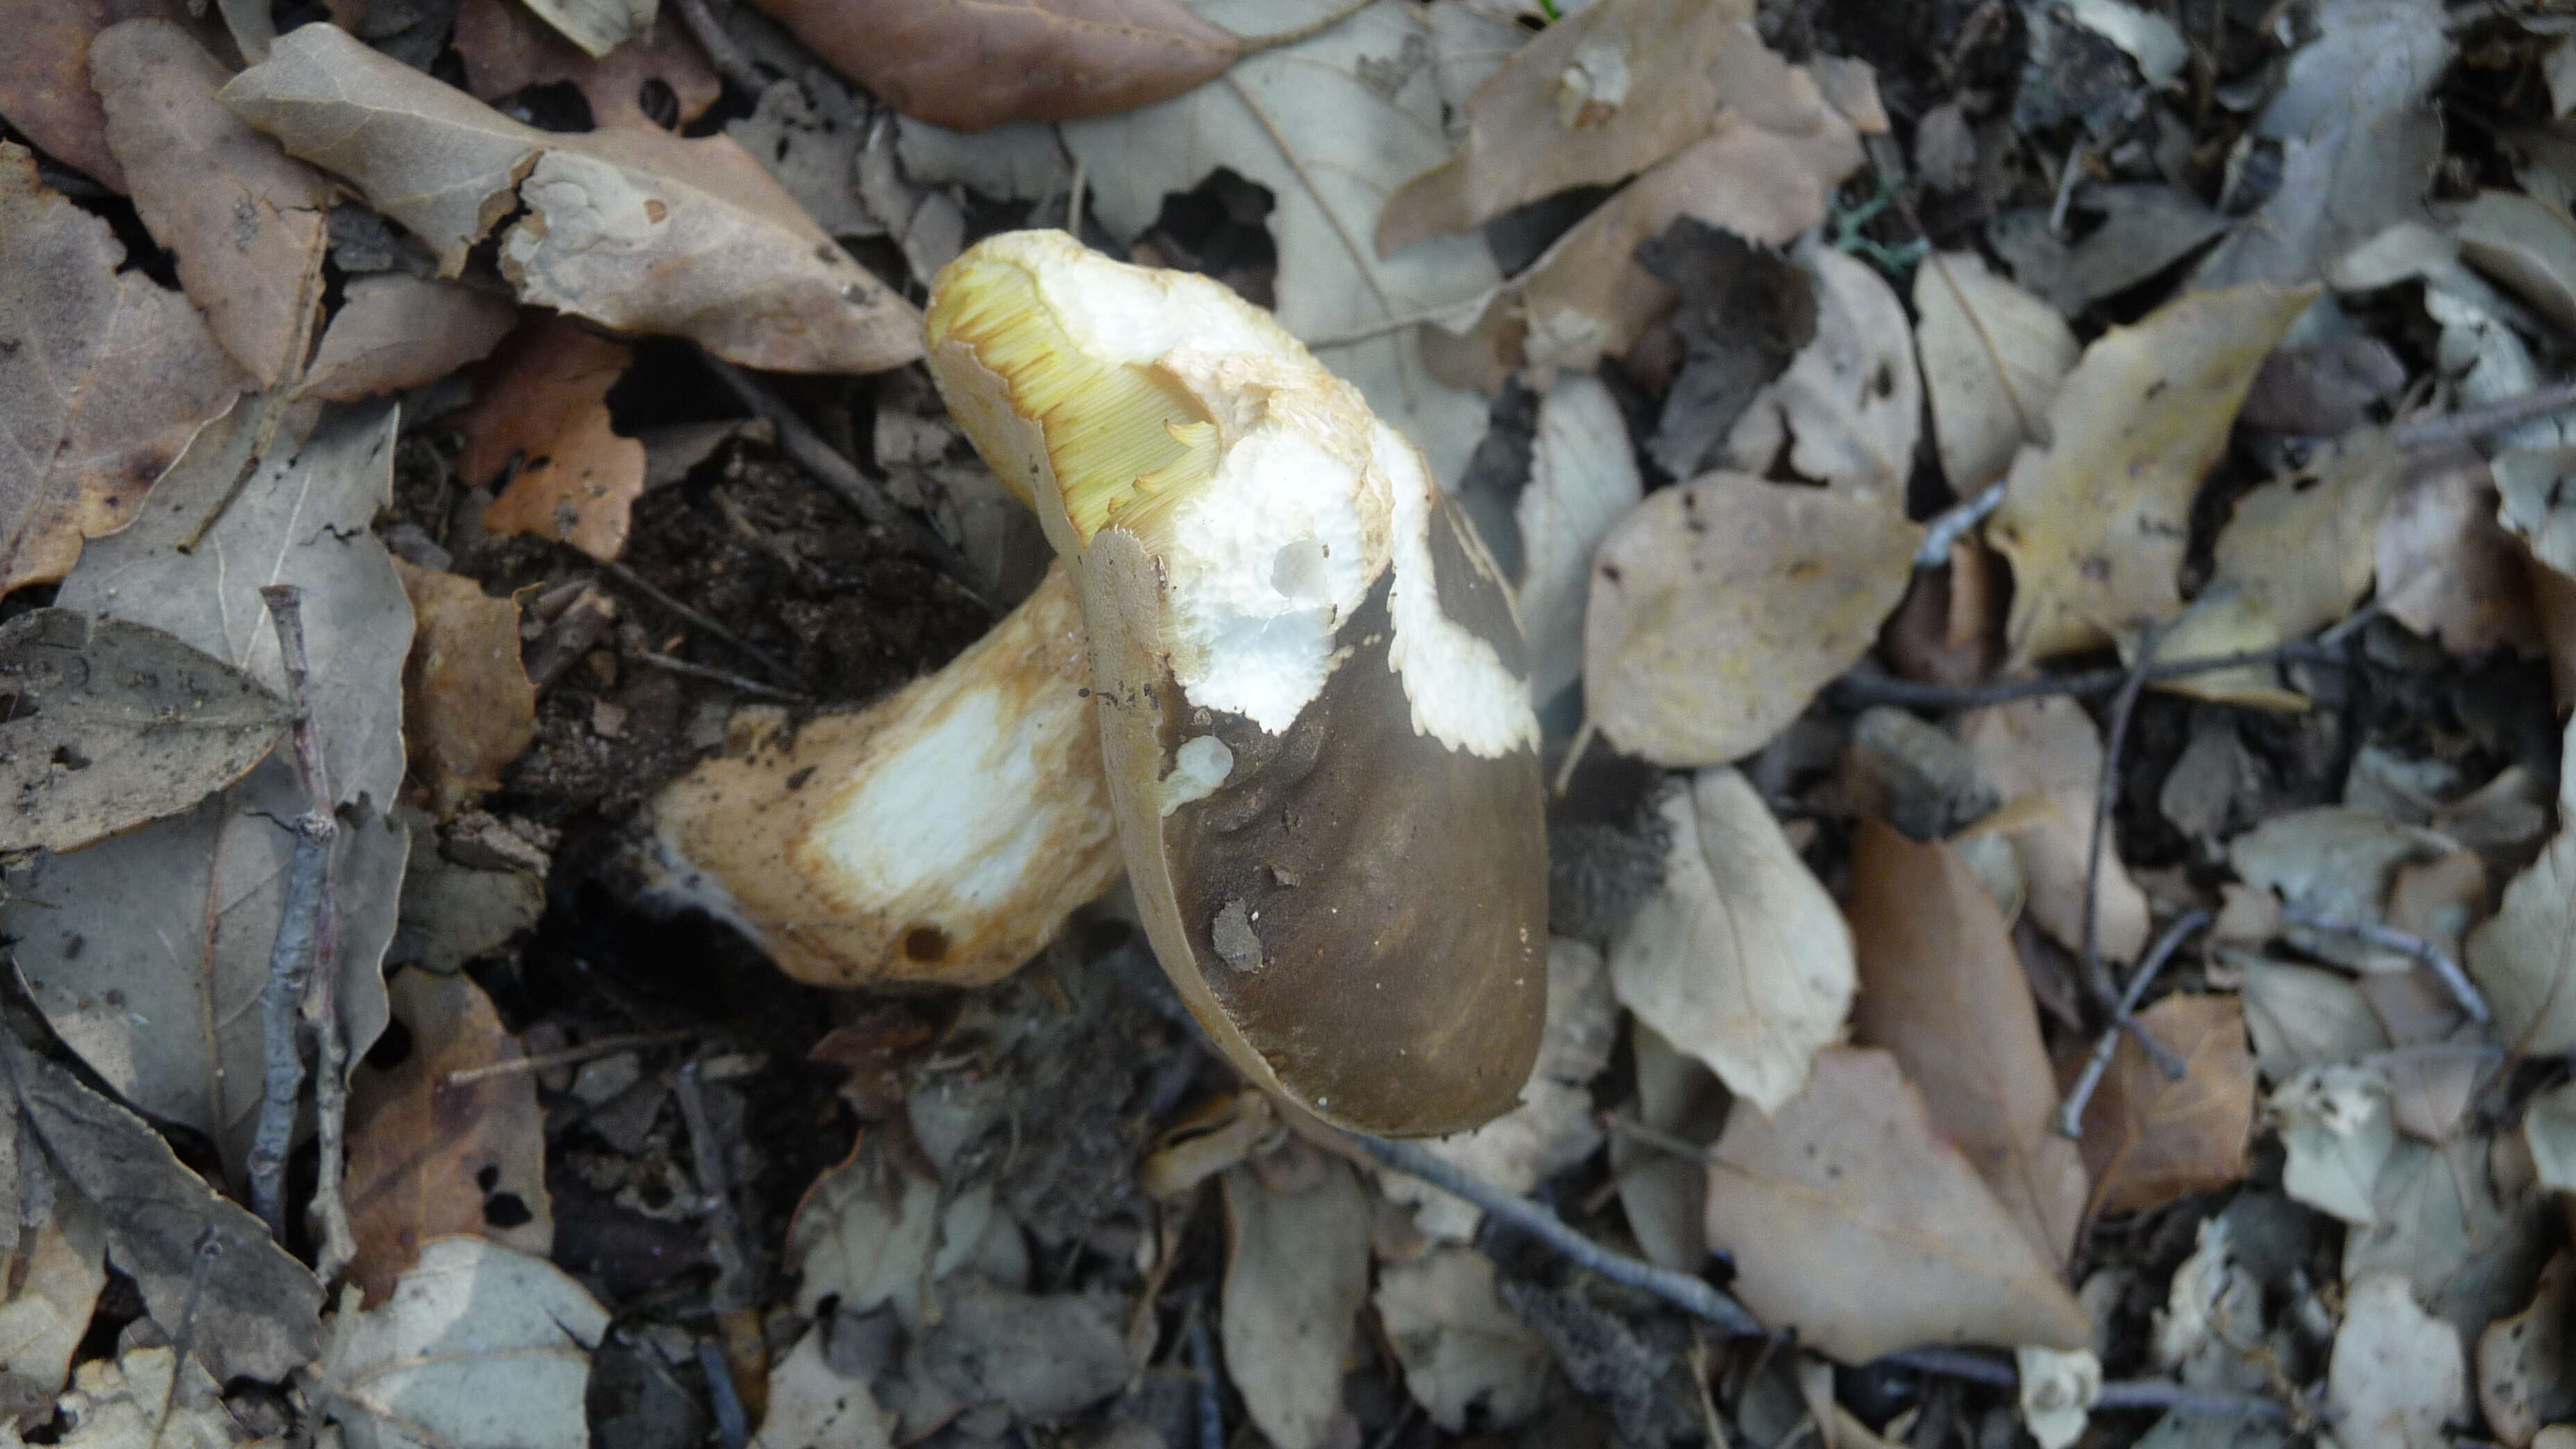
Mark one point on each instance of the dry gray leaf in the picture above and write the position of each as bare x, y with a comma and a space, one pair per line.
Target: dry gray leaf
1740, 959
2549, 1128
114, 724
1993, 355
1296, 1274
395, 331
1044, 1356
187, 1249
2526, 244
56, 1273
1461, 1348
638, 230
2334, 863
1331, 125
808, 132
1583, 479
2524, 956
2302, 1016
1850, 407
155, 988
480, 1347
812, 1405
126, 1403
1664, 1194
2397, 1374
2336, 1125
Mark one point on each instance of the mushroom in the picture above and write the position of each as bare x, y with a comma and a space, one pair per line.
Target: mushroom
1313, 746
1314, 709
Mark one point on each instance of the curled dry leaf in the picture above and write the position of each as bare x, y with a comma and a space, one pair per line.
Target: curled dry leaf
112, 377
1463, 1351
1850, 407
468, 708
2525, 1378
245, 219
480, 1347
429, 1158
1763, 172
1942, 989
1854, 1224
2047, 750
2396, 1374
541, 405
2095, 523
1296, 1273
973, 66
112, 724
394, 331
1993, 356
1721, 606
941, 835
635, 229
2150, 1139
1583, 479
506, 49
1740, 958
1597, 97
1745, 313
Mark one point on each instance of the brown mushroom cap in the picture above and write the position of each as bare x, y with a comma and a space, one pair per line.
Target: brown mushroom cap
1323, 764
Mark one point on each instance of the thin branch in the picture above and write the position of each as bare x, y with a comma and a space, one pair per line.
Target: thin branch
1977, 1368
1868, 689
733, 1426
2389, 938
2070, 1113
570, 1056
722, 676
307, 927
1683, 1291
2106, 789
2470, 423
1952, 524
722, 53
734, 1286
1211, 1412
770, 664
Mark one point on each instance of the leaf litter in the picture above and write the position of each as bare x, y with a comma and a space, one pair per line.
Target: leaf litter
1861, 859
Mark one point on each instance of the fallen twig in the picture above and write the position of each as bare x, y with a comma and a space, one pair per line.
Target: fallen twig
2470, 423
2389, 938
307, 928
1868, 689
714, 675
2070, 1113
734, 1286
2107, 789
1683, 1291
733, 1426
1951, 524
1211, 1414
570, 1056
1977, 1368
775, 667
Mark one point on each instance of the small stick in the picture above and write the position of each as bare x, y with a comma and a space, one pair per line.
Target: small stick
569, 1056
1868, 689
1683, 1291
2470, 423
733, 1287
307, 927
841, 476
1952, 523
2107, 788
1211, 1414
183, 1342
722, 676
1574, 756
722, 53
732, 1424
2070, 1113
2389, 938
1976, 1368
770, 664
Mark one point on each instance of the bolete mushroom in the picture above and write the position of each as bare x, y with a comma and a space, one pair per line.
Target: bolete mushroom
1320, 759
1314, 711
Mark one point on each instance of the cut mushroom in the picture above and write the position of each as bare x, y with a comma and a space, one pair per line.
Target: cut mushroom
938, 837
1315, 715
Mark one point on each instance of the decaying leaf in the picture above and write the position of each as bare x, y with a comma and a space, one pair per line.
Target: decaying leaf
2336, 1125
1461, 1348
1583, 479
1850, 407
813, 1405
637, 230
2047, 750
2396, 1373
541, 404
1746, 312
56, 1272
1296, 1274
394, 331
428, 1158
110, 380
866, 1233
186, 1248
112, 724
245, 219
507, 49
1740, 958
127, 1401
155, 988
1611, 90
1721, 606
1993, 356
468, 708
1330, 125
1942, 989
2095, 523
44, 76
480, 1347
2150, 1138
1855, 1224
2525, 1378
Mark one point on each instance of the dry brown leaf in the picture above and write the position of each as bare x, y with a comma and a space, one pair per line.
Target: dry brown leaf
2048, 749
395, 331
973, 65
1942, 989
1849, 409
2150, 1139
1721, 606
245, 219
1856, 1226
1739, 958
2525, 1376
468, 708
1296, 1273
2449, 571
1597, 97
635, 229
1762, 172
109, 380
44, 74
429, 1158
2096, 522
507, 49
1974, 323
542, 403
